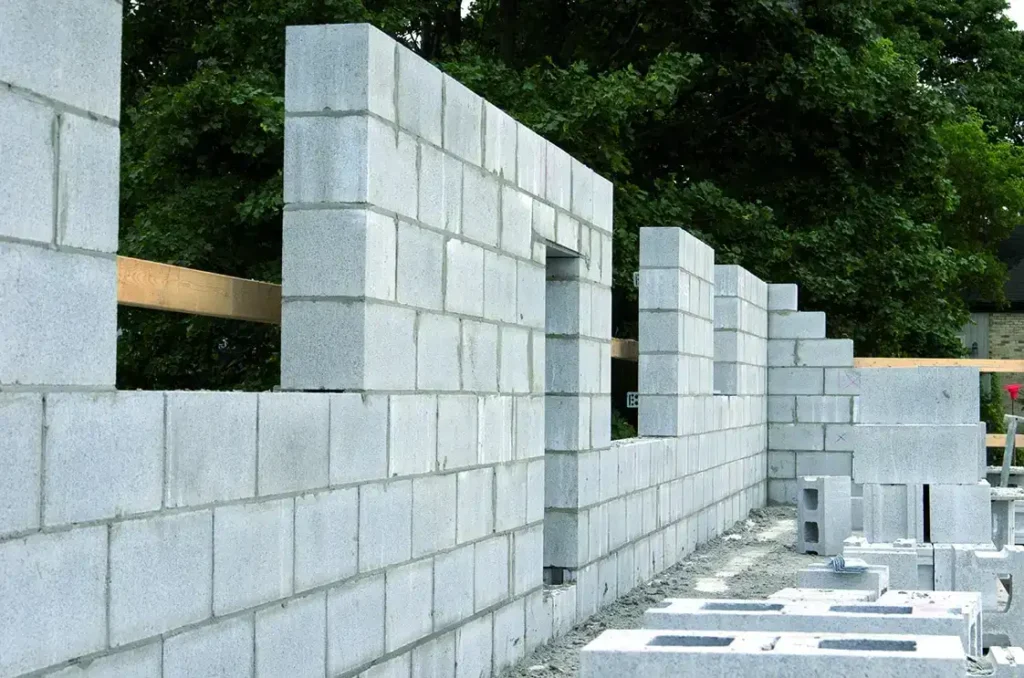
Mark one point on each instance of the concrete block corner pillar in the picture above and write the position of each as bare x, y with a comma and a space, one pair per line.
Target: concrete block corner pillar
60, 82
677, 281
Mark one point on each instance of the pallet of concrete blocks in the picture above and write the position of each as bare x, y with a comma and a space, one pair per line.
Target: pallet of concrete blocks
670, 654
851, 575
898, 617
823, 514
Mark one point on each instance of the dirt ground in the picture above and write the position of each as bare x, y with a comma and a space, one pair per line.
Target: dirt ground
753, 560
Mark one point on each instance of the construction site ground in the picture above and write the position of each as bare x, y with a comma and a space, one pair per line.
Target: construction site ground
753, 560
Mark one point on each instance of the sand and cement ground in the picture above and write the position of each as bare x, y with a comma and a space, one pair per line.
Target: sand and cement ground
753, 560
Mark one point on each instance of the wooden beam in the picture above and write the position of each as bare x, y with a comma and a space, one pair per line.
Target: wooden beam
999, 440
147, 284
626, 349
986, 365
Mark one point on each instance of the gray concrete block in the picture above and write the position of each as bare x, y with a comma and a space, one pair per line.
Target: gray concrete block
463, 120
479, 356
419, 96
795, 381
161, 575
824, 463
558, 177
385, 524
901, 557
664, 290
491, 577
60, 317
782, 353
604, 197
530, 295
142, 662
326, 159
781, 464
840, 437
474, 648
531, 151
582, 191
435, 658
516, 222
408, 604
960, 514
842, 381
437, 352
21, 427
433, 520
497, 427
796, 325
355, 624
398, 667
663, 332
358, 439
509, 634
825, 409
453, 587
921, 395
509, 496
782, 409
544, 220
340, 67
457, 431
440, 189
568, 307
104, 455
500, 282
412, 433
875, 579
835, 596
54, 588
529, 427
566, 539
824, 353
211, 447
893, 512
291, 638
474, 505
500, 131
535, 491
420, 262
796, 436
528, 559
464, 281
918, 454
88, 182
391, 169
294, 431
26, 190
823, 514
253, 547
222, 649
326, 537
783, 297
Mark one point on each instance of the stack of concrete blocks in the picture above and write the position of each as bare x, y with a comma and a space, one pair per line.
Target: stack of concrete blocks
1016, 482
823, 514
741, 332
910, 563
662, 654
865, 577
809, 403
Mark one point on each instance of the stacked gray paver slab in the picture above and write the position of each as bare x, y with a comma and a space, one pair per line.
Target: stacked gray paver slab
823, 514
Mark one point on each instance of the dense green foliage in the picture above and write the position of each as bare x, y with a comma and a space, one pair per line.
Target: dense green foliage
866, 150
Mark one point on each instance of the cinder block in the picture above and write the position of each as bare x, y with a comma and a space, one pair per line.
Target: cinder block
141, 662
968, 604
528, 565
893, 512
457, 435
474, 505
26, 190
796, 436
567, 234
928, 454
291, 638
515, 360
54, 588
842, 381
500, 282
558, 177
583, 191
222, 649
665, 653
664, 290
535, 491
531, 150
453, 587
961, 514
479, 356
496, 429
474, 644
782, 409
823, 514
509, 496
796, 325
566, 539
252, 554
824, 353
161, 575
464, 282
901, 557
835, 596
326, 159
463, 120
826, 409
529, 433
568, 307
385, 524
782, 297
60, 317
782, 353
921, 395
344, 252
795, 381
88, 176
211, 447
326, 537
436, 658
391, 169
440, 188
412, 431
480, 213
509, 634
358, 441
340, 67
398, 667
419, 96
437, 353
294, 433
530, 295
875, 579
355, 624
499, 142
420, 260
1006, 661
433, 520
408, 604
516, 222
824, 463
491, 560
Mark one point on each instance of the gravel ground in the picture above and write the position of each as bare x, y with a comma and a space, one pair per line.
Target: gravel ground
753, 560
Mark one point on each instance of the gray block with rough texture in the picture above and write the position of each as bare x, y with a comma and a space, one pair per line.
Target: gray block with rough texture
326, 537
491, 576
926, 454
253, 546
798, 325
976, 570
358, 438
919, 395
294, 432
412, 433
222, 649
385, 524
824, 352
1007, 662
21, 427
433, 517
355, 624
782, 297
823, 514
893, 512
968, 604
795, 381
26, 191
663, 654
901, 557
141, 662
875, 579
837, 596
88, 174
453, 586
290, 638
509, 633
408, 604
961, 514
54, 592
161, 575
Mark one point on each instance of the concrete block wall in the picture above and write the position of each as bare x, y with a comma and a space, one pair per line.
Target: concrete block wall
741, 332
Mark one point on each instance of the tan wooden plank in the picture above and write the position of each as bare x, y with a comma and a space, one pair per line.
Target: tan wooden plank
148, 284
626, 349
984, 365
999, 440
